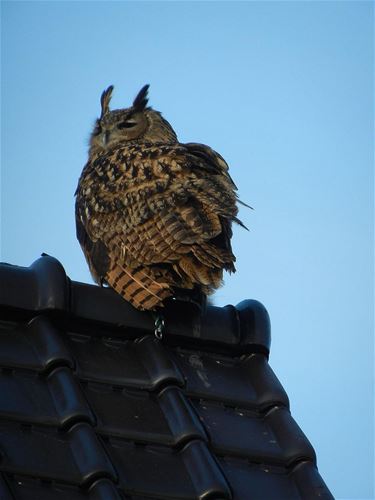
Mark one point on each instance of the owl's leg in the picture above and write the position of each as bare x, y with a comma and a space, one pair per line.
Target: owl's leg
196, 296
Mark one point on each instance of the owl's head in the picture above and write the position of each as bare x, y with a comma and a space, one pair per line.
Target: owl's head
138, 123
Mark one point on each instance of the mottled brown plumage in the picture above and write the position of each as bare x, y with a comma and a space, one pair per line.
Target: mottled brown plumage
152, 214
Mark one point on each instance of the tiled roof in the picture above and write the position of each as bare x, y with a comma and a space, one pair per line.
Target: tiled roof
93, 406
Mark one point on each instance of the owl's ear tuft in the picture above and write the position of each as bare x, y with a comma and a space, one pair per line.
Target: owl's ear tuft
140, 102
105, 99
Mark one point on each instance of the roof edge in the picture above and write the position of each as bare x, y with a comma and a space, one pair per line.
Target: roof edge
44, 287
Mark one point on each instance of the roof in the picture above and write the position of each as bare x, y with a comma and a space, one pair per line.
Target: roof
93, 406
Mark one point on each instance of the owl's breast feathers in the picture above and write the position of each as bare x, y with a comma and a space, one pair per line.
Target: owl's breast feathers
151, 217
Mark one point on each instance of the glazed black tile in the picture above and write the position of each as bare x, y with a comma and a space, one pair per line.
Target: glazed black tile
158, 362
238, 432
191, 473
104, 306
182, 419
246, 382
310, 483
26, 488
144, 364
265, 482
56, 400
270, 438
5, 493
258, 482
255, 326
291, 439
213, 325
74, 457
142, 416
104, 489
35, 345
41, 287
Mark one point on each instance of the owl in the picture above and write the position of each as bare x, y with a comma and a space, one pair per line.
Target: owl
153, 215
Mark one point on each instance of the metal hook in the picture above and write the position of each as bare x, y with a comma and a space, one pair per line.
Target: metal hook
159, 326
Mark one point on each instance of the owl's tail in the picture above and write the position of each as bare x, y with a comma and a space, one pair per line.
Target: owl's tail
144, 289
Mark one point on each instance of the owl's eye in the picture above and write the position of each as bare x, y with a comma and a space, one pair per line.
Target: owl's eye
126, 124
97, 129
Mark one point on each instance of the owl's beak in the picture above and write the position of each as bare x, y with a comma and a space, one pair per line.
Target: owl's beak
106, 137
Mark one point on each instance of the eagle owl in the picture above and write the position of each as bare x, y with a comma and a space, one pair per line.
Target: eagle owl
153, 215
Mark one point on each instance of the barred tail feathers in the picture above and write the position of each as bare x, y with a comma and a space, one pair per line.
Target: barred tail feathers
143, 290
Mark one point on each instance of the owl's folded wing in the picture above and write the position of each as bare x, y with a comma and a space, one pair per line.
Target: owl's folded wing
162, 206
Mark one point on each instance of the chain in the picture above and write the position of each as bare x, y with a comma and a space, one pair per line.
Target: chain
159, 326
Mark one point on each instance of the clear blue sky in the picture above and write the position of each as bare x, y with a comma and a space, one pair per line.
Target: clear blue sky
284, 91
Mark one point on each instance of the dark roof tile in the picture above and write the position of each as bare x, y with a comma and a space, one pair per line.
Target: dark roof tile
43, 286
272, 438
190, 473
166, 418
75, 456
103, 359
52, 400
272, 482
25, 488
246, 381
35, 345
5, 493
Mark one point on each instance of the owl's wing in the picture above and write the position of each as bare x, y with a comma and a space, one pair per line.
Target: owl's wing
211, 161
155, 205
214, 163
